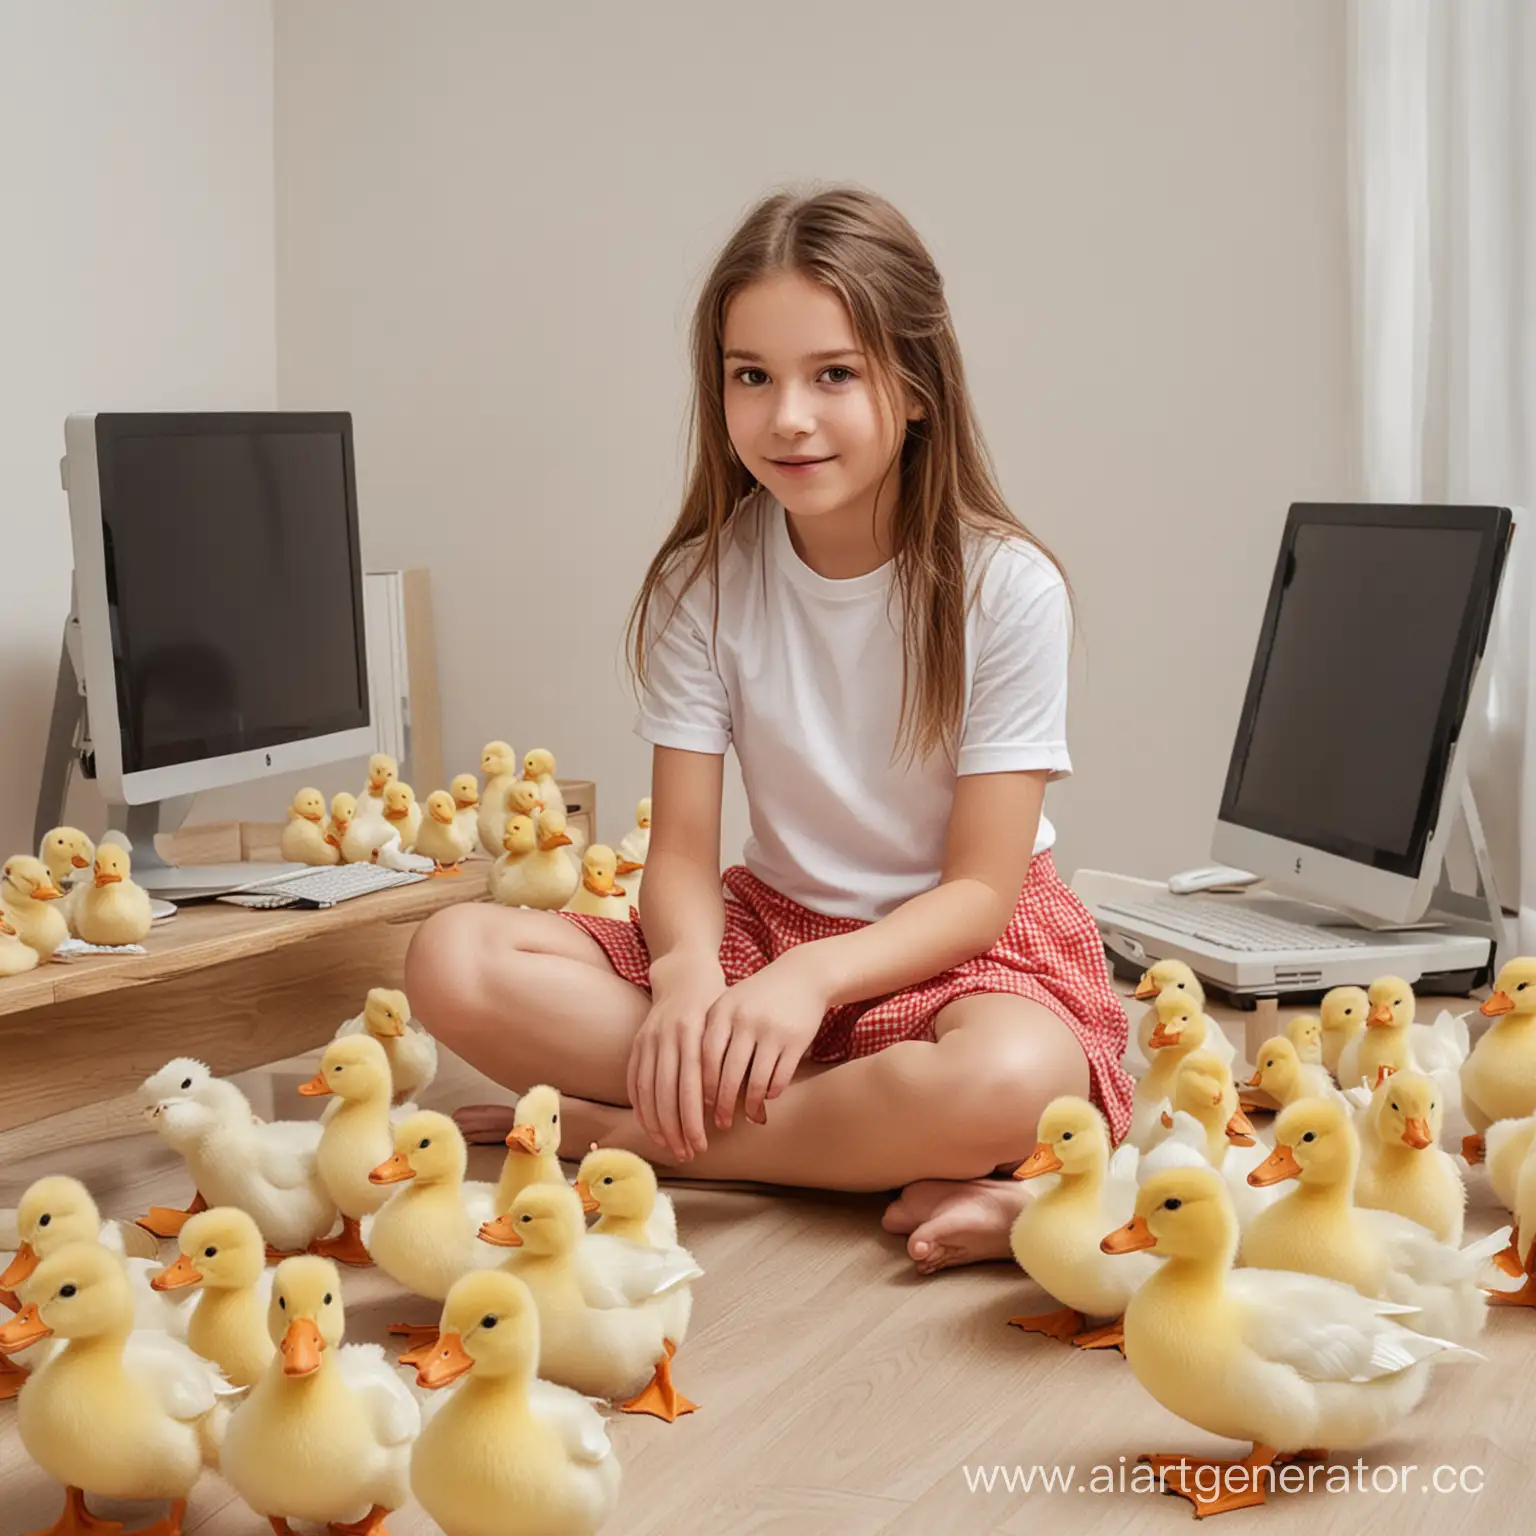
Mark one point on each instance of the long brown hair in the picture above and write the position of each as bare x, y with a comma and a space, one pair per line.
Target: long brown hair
858, 246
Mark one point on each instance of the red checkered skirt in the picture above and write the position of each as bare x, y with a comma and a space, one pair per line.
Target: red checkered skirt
1051, 953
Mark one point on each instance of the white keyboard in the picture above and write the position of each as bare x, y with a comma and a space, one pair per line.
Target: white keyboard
1232, 926
323, 887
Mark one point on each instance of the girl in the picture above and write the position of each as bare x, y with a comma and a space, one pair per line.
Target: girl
895, 982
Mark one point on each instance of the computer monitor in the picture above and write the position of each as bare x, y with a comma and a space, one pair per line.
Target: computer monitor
1346, 772
219, 594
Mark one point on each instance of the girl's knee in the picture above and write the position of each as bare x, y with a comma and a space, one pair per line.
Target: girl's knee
443, 962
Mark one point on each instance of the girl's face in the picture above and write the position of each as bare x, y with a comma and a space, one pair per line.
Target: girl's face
802, 405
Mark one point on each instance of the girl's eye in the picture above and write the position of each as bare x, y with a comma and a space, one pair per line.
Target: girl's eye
751, 376
844, 374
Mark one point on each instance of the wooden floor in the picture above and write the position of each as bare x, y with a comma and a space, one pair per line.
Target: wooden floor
841, 1393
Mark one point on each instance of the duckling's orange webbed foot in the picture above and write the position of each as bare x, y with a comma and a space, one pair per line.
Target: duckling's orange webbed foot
419, 1342
1219, 1490
448, 869
12, 1379
660, 1397
164, 1222
1509, 1258
10, 1301
346, 1249
77, 1520
277, 1255
170, 1526
280, 1526
1064, 1325
1473, 1149
372, 1524
1110, 1336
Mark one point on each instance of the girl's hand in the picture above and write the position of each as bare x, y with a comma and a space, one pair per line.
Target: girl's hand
756, 1033
665, 1084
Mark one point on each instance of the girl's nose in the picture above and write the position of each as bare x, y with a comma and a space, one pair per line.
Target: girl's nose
793, 411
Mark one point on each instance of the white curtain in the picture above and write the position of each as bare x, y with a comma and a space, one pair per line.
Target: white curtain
1442, 180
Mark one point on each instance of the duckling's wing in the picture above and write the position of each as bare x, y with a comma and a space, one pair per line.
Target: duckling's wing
1323, 1329
353, 1026
285, 1151
615, 1273
1443, 1045
183, 1384
1182, 1147
1219, 1043
393, 1413
1416, 1253
662, 1227
579, 1425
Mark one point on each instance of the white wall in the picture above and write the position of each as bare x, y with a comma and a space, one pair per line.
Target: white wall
491, 221
136, 269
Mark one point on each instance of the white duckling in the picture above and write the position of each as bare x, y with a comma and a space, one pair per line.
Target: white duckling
326, 1433
1498, 1078
16, 958
412, 1052
113, 1412
338, 824
403, 813
1319, 1230
113, 910
28, 900
224, 1255
440, 837
1402, 1166
533, 1146
546, 878
1283, 1077
1179, 1029
519, 841
602, 1330
1285, 1361
499, 763
1055, 1237
361, 832
599, 894
269, 1170
354, 1141
620, 1189
1392, 1040
465, 790
635, 846
1305, 1032
304, 835
383, 770
1342, 1013
507, 1454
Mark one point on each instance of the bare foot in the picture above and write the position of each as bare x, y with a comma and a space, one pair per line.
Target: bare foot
948, 1222
484, 1124
584, 1121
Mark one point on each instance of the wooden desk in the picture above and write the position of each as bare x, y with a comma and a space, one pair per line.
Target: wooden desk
232, 987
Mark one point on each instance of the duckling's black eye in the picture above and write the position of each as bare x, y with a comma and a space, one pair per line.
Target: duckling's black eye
1310, 1136
1172, 1205
282, 1302
327, 1300
1521, 987
425, 1144
210, 1253
186, 1083
554, 1119
525, 1219
487, 1321
66, 1291
609, 1179
44, 1219
1066, 1135
338, 1069
1348, 1011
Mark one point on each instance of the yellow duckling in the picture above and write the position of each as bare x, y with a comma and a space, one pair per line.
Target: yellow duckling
1179, 1029
113, 910
1055, 1237
403, 813
412, 1052
356, 1139
545, 878
500, 765
439, 837
383, 771
1391, 1041
600, 894
1287, 1362
620, 1189
523, 799
1519, 1260
115, 1412
1178, 976
304, 840
533, 1146
1319, 1230
465, 791
507, 1454
1504, 1146
602, 1311
1284, 1077
326, 1433
539, 770
1343, 1012
224, 1253
519, 841
1498, 1078
67, 853
1402, 1167
339, 825
15, 957
1305, 1032
27, 894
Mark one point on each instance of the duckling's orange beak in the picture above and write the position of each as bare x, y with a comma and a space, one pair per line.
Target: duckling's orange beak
20, 1268
47, 892
315, 816
1133, 1235
1167, 1120
1380, 1015
1256, 1081
302, 1347
1161, 1037
1240, 1131
588, 1204
80, 861
180, 1275
1416, 1134
1042, 1160
449, 1361
1146, 987
600, 885
398, 814
1281, 1164
24, 1330
559, 840
316, 1087
1499, 1002
627, 867
501, 1233
386, 1029
439, 814
523, 1138
393, 1170
106, 877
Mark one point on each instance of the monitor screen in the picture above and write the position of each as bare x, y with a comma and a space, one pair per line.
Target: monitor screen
234, 583
1375, 622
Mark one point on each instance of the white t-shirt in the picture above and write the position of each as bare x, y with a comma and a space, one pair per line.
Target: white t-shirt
803, 677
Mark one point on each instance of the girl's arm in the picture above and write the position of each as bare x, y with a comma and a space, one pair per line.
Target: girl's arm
759, 1030
683, 911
